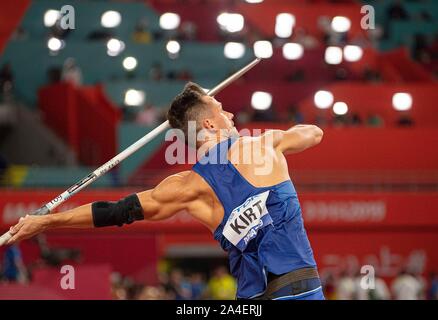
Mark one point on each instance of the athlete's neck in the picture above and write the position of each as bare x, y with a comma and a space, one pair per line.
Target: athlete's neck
210, 141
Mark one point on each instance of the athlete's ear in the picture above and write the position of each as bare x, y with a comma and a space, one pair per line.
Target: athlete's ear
208, 124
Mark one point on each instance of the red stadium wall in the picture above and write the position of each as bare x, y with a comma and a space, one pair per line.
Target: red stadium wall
92, 282
371, 149
11, 13
386, 230
84, 118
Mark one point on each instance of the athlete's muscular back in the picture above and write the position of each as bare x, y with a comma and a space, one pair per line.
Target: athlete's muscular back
260, 160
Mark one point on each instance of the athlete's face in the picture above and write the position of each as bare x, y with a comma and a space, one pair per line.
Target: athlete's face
218, 119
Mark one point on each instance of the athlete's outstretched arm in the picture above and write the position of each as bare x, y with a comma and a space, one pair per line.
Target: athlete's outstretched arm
166, 199
296, 139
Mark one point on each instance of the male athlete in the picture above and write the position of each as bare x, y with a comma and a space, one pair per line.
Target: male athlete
252, 210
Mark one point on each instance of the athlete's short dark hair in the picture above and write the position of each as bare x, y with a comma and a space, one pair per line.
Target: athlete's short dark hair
187, 106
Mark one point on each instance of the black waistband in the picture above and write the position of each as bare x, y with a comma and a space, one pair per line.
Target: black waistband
291, 283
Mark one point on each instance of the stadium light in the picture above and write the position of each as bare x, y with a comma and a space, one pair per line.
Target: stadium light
129, 63
234, 50
55, 44
111, 19
261, 100
173, 47
323, 99
263, 49
402, 101
352, 53
230, 22
333, 55
134, 97
114, 47
50, 17
169, 21
340, 108
341, 24
293, 51
284, 24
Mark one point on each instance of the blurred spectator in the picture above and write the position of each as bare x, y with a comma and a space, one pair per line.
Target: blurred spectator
58, 31
423, 284
420, 48
329, 286
371, 75
56, 256
54, 74
295, 115
252, 36
118, 291
222, 285
198, 286
405, 120
324, 24
375, 35
396, 11
3, 166
428, 56
185, 75
141, 33
296, 76
304, 38
243, 116
355, 120
321, 118
346, 287
340, 121
268, 115
178, 287
19, 34
151, 293
156, 72
341, 74
425, 16
71, 73
171, 75
148, 116
374, 120
188, 31
13, 269
6, 80
406, 287
100, 35
432, 293
379, 292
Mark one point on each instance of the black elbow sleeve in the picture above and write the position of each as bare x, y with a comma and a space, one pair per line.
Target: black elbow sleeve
124, 211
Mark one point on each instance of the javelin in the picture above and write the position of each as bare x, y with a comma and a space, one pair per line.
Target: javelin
78, 186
